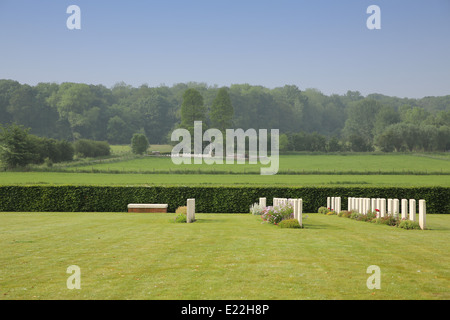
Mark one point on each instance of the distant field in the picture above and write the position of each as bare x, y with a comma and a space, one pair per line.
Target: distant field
61, 178
317, 164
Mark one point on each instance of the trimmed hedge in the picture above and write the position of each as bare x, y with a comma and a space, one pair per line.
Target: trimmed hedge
208, 199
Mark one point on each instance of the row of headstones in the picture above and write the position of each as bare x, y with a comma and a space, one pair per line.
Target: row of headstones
364, 205
297, 205
334, 203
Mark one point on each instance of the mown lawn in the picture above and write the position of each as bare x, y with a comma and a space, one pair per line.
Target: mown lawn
221, 256
67, 178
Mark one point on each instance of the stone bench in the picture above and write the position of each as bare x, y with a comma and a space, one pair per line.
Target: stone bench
147, 207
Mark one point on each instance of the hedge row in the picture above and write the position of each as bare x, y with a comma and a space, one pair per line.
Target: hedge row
208, 199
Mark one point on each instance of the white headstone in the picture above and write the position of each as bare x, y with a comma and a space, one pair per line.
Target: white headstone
339, 206
412, 209
390, 207
295, 209
422, 214
190, 210
328, 202
395, 207
383, 207
300, 212
262, 202
404, 209
373, 204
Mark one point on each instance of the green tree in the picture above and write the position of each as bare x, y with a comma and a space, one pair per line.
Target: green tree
15, 147
192, 109
222, 111
139, 143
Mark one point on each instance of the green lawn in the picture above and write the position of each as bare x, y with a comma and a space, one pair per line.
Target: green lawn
60, 178
221, 256
299, 163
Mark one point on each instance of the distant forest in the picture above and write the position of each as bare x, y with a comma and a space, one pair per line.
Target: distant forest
308, 120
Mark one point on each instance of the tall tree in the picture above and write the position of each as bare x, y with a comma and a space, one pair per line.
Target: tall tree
222, 111
192, 109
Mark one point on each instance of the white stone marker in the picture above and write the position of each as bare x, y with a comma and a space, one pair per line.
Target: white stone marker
349, 204
373, 204
328, 202
404, 209
332, 203
295, 209
395, 207
383, 207
378, 206
337, 205
389, 207
262, 202
412, 209
190, 210
422, 213
300, 211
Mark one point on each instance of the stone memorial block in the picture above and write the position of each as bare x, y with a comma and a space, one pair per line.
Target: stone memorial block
383, 207
395, 207
412, 209
404, 209
422, 213
389, 207
373, 204
328, 202
190, 215
262, 202
300, 211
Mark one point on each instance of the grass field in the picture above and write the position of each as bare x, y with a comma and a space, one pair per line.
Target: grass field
299, 163
221, 256
64, 178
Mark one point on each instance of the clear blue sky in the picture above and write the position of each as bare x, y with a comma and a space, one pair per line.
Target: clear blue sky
312, 44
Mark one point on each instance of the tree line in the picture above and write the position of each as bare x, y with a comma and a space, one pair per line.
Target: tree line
308, 120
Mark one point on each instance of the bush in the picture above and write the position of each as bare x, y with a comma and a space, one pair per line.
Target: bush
323, 210
275, 215
408, 224
290, 223
139, 143
181, 218
256, 209
181, 210
88, 148
345, 213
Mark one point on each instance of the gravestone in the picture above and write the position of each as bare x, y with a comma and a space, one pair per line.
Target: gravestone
395, 207
262, 202
373, 204
389, 207
383, 207
422, 213
190, 215
404, 209
300, 211
412, 209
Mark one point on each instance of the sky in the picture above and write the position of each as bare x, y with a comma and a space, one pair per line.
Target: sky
321, 44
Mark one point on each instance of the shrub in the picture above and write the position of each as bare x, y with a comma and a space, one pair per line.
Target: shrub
408, 224
324, 210
388, 220
330, 213
181, 218
139, 143
88, 148
290, 223
256, 209
181, 210
345, 213
275, 215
